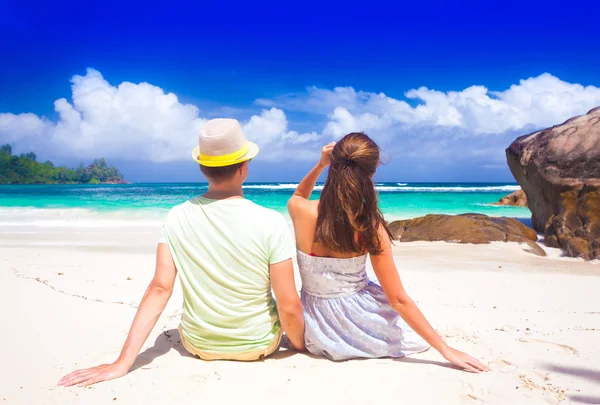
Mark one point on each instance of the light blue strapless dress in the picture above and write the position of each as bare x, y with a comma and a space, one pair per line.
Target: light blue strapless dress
347, 316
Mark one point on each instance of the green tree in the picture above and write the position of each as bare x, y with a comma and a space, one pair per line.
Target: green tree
6, 149
30, 156
25, 169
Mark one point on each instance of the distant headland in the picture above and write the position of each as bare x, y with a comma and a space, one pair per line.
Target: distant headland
25, 169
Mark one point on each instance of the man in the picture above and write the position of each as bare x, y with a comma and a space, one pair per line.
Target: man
229, 253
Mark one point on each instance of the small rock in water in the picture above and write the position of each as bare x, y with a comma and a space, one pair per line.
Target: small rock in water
516, 199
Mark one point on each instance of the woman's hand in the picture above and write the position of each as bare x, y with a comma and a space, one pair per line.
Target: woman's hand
464, 361
326, 155
89, 376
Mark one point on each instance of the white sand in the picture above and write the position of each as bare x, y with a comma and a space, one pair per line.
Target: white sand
66, 302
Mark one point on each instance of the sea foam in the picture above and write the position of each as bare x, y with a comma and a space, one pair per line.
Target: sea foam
400, 187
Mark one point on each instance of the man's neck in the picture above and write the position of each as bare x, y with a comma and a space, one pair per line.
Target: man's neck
224, 191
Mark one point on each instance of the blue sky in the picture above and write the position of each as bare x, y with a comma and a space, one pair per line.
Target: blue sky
297, 76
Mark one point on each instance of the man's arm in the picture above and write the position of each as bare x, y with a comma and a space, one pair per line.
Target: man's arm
153, 303
288, 302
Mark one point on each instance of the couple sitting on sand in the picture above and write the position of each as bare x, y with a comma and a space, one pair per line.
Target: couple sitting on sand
230, 253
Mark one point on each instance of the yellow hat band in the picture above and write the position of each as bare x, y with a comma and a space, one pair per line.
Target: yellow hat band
222, 160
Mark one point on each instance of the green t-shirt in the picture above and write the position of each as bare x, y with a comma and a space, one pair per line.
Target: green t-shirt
222, 250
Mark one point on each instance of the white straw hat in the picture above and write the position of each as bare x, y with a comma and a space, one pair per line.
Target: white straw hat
222, 143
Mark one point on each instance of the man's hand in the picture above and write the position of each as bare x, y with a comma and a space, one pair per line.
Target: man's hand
93, 375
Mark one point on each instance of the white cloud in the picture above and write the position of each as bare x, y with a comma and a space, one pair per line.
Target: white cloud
474, 123
343, 122
132, 122
16, 128
270, 131
535, 102
267, 126
129, 121
143, 122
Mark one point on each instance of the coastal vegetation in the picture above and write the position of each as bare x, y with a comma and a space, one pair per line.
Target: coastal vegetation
25, 169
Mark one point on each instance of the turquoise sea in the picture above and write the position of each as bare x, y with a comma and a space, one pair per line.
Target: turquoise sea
147, 204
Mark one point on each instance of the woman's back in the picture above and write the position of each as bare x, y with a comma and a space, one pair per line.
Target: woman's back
330, 277
346, 315
304, 218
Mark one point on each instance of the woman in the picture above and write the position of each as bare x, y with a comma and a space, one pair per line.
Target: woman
347, 316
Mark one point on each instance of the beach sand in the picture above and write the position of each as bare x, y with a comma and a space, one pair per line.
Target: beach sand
68, 299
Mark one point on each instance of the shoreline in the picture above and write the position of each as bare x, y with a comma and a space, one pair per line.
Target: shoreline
103, 234
90, 217
143, 239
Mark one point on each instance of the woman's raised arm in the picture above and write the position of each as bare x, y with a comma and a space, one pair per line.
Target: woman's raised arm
307, 185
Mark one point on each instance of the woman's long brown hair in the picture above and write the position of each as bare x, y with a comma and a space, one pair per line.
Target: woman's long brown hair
349, 217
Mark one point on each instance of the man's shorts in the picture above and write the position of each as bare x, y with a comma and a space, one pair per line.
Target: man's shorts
246, 356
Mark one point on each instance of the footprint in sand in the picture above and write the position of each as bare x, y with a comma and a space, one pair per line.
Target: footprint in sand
568, 349
209, 376
528, 383
543, 385
507, 328
504, 366
468, 395
460, 334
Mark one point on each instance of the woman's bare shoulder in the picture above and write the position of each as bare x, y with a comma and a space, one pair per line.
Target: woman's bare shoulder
298, 206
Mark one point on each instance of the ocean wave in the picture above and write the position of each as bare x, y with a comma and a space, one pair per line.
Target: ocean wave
289, 186
389, 188
283, 186
460, 189
194, 187
400, 187
13, 217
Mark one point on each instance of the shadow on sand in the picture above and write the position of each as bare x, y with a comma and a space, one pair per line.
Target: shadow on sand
580, 372
170, 339
413, 360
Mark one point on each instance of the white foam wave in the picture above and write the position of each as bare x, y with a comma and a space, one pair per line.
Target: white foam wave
12, 218
194, 187
461, 189
401, 187
283, 186
388, 188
